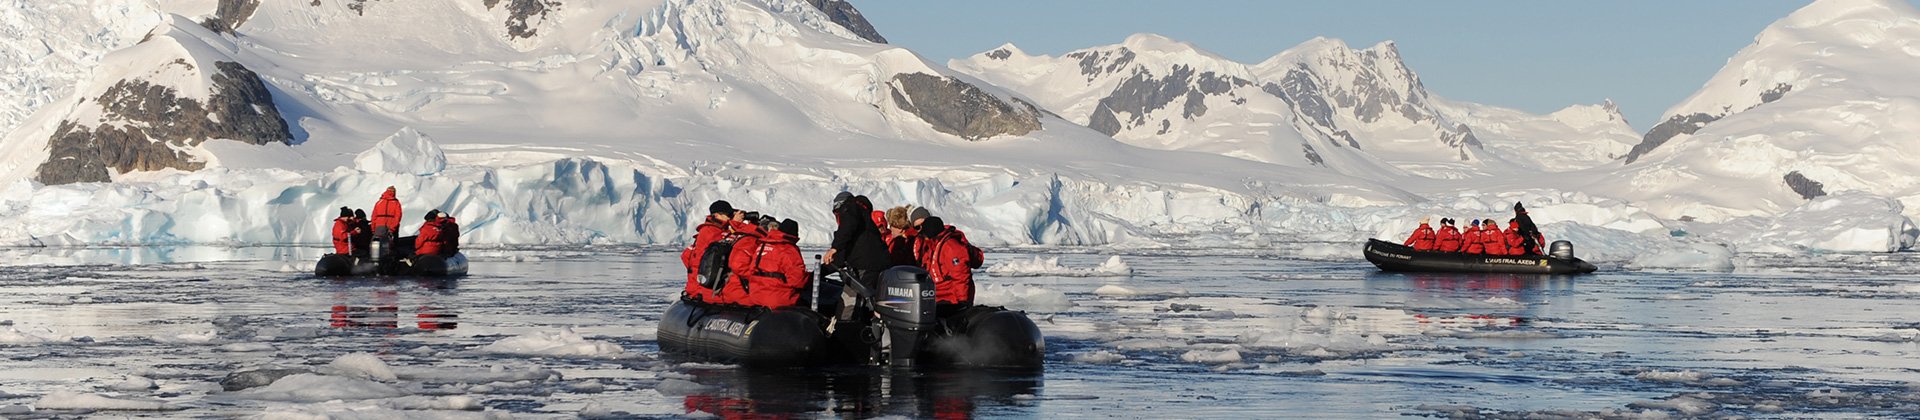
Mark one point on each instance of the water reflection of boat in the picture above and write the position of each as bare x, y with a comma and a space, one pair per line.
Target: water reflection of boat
380, 309
1473, 298
855, 392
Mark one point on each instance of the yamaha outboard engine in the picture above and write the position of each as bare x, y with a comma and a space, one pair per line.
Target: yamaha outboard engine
1562, 250
904, 304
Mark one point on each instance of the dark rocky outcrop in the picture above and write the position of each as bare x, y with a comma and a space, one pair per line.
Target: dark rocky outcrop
955, 107
230, 15
1667, 130
359, 7
1142, 94
1094, 64
848, 17
1807, 188
1691, 123
147, 126
999, 54
520, 11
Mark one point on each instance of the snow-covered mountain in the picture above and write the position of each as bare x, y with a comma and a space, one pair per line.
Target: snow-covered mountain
1823, 101
1361, 112
563, 121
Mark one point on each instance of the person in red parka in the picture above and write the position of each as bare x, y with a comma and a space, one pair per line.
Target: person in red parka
768, 270
1473, 241
1516, 245
429, 242
1422, 239
386, 215
949, 260
343, 231
899, 235
1494, 239
720, 223
1448, 240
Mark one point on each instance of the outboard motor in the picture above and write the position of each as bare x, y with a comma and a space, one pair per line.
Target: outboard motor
1561, 249
904, 304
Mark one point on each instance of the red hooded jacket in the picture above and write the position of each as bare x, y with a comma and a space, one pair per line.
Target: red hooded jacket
1448, 240
343, 235
706, 234
1496, 240
945, 257
386, 213
1422, 239
1515, 244
768, 271
429, 241
1474, 242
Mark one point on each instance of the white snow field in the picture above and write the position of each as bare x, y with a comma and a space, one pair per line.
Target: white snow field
616, 122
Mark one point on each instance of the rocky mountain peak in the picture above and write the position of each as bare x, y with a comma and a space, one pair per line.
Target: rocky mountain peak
843, 13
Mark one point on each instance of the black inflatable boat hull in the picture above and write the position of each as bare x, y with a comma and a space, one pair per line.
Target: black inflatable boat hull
335, 265
791, 336
1396, 257
438, 266
796, 336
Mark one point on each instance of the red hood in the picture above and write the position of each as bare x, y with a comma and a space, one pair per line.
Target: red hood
387, 195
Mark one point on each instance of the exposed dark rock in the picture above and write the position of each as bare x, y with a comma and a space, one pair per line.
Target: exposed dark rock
1094, 64
256, 378
955, 107
1142, 94
146, 125
848, 17
231, 14
999, 54
1303, 93
1689, 124
520, 11
1679, 124
1313, 156
359, 7
1775, 94
1807, 188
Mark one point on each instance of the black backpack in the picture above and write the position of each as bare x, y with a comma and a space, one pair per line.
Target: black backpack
713, 269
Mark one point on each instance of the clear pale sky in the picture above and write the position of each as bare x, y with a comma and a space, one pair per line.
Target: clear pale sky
1537, 56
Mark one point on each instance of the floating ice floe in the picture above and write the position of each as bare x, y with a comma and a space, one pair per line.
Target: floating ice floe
564, 342
67, 400
1050, 266
1022, 297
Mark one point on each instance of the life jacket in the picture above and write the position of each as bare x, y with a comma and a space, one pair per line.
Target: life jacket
1496, 240
950, 261
1516, 245
715, 270
1448, 240
429, 240
343, 230
1422, 239
1475, 244
768, 272
386, 214
713, 230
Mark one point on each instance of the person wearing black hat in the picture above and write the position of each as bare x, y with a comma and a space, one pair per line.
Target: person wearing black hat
362, 237
722, 221
857, 252
949, 260
343, 230
1448, 239
1530, 238
767, 269
430, 240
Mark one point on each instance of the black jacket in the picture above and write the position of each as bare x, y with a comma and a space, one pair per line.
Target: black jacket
857, 241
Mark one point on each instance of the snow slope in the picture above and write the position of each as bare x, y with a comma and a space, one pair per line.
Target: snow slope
1825, 93
618, 126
